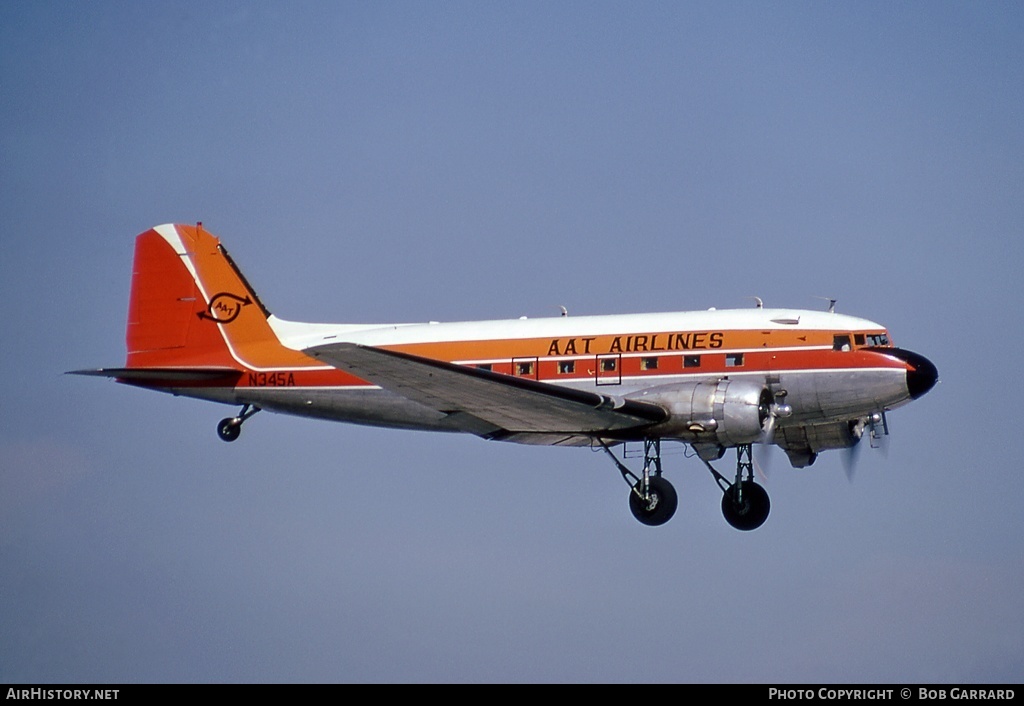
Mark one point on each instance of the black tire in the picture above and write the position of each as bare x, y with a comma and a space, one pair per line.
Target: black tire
751, 512
228, 429
661, 506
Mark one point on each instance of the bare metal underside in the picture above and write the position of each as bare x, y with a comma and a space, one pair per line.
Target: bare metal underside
818, 399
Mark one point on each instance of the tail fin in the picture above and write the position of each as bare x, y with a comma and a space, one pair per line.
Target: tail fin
190, 306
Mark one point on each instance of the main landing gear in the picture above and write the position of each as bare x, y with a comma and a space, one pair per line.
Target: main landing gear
229, 428
745, 504
653, 500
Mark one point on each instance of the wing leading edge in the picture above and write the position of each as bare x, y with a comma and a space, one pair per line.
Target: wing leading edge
494, 405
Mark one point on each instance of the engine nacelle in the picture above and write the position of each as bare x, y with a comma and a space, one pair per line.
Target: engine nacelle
718, 412
803, 443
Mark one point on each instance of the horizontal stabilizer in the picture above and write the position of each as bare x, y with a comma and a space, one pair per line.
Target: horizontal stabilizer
150, 375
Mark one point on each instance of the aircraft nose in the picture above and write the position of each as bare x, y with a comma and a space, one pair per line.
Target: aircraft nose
922, 375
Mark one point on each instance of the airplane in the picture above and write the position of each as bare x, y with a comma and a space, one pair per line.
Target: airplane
805, 381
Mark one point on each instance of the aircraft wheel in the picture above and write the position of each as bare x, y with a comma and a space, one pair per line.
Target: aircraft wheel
229, 428
751, 512
659, 508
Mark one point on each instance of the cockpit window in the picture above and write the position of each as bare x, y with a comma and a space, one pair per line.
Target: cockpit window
841, 343
878, 339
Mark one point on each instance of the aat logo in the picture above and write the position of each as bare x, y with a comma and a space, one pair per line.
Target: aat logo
224, 308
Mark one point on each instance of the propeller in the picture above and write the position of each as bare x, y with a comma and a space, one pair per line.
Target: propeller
877, 429
879, 432
771, 411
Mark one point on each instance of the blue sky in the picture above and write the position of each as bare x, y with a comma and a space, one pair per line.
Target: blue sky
450, 161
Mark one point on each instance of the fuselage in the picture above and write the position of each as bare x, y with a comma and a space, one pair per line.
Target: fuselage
830, 367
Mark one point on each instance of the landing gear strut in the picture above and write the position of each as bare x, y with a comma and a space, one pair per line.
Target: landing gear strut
652, 499
745, 504
229, 428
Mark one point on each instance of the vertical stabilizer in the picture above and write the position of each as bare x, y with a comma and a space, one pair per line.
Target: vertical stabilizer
191, 306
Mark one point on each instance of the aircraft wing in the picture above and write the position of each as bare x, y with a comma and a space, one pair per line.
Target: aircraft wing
515, 406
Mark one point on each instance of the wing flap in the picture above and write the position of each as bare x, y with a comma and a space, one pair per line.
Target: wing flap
513, 404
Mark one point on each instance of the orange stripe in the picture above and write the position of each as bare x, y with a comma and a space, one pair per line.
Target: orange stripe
657, 343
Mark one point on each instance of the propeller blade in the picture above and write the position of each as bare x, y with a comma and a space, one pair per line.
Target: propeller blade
851, 455
763, 460
768, 430
763, 451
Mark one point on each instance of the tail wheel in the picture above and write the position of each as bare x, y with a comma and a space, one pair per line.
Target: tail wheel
659, 505
747, 507
229, 428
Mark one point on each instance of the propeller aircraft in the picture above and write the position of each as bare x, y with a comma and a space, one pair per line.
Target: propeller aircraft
805, 381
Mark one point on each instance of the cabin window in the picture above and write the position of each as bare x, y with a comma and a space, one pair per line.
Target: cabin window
691, 361
524, 369
484, 366
648, 363
733, 360
608, 365
841, 342
566, 367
